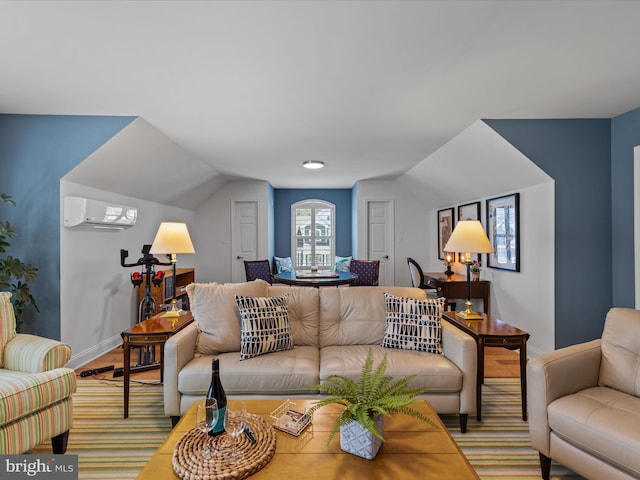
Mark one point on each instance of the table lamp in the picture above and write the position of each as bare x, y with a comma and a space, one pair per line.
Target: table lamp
468, 237
172, 238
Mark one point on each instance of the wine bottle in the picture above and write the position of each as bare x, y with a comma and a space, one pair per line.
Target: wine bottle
216, 391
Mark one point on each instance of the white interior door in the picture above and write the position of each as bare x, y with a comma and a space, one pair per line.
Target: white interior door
244, 237
380, 234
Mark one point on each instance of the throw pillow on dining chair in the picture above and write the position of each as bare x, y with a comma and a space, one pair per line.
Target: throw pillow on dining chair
283, 264
342, 264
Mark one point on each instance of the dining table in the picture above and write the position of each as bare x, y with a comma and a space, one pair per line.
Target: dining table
321, 278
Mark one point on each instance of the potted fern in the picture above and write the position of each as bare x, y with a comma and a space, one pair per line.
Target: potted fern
367, 401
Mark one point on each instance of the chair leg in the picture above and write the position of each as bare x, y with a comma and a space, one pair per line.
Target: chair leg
463, 422
545, 466
59, 443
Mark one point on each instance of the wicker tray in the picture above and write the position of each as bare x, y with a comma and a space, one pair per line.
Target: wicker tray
189, 463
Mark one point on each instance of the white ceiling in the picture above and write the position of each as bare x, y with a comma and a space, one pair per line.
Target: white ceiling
371, 88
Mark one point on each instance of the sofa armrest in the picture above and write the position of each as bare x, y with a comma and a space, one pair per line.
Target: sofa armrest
461, 349
178, 351
33, 354
557, 374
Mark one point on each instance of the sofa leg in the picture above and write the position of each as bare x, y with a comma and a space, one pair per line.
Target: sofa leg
545, 466
463, 422
59, 443
174, 420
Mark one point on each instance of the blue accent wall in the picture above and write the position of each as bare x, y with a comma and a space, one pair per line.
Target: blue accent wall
36, 151
576, 154
285, 197
625, 135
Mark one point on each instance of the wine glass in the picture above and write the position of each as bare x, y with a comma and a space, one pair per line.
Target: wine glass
206, 417
234, 426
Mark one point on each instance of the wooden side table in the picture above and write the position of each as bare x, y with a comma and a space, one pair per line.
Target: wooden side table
491, 332
153, 331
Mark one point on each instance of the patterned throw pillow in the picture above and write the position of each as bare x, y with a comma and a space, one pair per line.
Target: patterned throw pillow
413, 324
343, 264
264, 325
283, 264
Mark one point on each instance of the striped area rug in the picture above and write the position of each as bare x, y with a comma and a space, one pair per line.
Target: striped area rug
499, 446
111, 447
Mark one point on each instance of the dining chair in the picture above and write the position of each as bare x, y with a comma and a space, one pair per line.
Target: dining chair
417, 278
255, 269
367, 272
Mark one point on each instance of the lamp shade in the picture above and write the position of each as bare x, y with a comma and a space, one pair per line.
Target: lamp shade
172, 237
468, 237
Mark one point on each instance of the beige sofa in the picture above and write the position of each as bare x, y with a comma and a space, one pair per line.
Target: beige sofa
584, 405
332, 329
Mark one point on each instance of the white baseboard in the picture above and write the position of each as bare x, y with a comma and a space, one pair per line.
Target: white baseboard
82, 358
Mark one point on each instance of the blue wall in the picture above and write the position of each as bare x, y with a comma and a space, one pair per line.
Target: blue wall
284, 198
36, 151
576, 154
625, 135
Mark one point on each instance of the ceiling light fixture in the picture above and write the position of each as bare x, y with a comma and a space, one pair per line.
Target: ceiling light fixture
313, 164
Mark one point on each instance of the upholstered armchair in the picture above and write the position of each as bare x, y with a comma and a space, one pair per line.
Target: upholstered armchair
584, 405
35, 388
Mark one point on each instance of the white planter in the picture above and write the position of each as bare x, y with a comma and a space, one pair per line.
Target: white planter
356, 439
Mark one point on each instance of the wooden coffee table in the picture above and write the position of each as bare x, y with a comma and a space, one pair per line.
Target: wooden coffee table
413, 449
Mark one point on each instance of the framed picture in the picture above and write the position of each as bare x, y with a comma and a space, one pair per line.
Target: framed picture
446, 221
469, 211
503, 229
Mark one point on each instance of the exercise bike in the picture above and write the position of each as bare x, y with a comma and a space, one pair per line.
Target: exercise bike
147, 307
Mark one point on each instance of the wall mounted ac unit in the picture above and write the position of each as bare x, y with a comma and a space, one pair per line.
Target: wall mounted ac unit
84, 212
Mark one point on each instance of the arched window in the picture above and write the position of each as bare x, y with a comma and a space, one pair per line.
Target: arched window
313, 234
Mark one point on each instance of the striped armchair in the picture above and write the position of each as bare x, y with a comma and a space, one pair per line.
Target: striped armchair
35, 388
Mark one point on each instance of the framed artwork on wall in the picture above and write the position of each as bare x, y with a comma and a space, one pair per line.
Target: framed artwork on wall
469, 211
503, 230
446, 221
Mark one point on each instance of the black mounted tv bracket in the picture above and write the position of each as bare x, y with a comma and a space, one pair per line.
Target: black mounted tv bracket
147, 307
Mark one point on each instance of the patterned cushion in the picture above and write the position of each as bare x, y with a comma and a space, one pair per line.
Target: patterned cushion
7, 322
283, 264
264, 325
414, 324
342, 264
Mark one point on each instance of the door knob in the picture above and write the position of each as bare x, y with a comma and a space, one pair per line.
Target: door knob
386, 257
239, 257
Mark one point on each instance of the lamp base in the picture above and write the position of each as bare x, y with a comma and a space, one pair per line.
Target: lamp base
174, 312
469, 314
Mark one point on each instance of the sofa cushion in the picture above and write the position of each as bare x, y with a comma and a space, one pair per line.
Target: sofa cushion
264, 325
215, 312
602, 421
280, 373
413, 324
357, 316
303, 312
433, 372
25, 393
7, 322
620, 367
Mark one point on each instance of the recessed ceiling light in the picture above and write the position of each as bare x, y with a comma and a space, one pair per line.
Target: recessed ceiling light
313, 164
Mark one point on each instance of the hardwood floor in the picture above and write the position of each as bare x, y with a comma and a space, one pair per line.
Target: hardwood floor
499, 363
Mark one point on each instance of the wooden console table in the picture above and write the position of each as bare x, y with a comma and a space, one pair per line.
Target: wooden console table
151, 332
491, 332
454, 287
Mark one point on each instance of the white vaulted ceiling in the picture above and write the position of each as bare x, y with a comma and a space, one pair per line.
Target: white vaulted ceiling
252, 89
